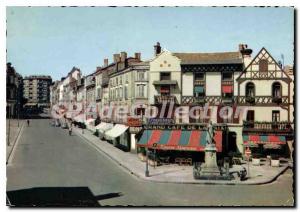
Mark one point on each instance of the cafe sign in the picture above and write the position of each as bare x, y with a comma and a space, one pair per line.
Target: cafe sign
160, 121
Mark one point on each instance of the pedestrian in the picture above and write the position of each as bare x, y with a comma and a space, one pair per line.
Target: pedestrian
28, 122
70, 130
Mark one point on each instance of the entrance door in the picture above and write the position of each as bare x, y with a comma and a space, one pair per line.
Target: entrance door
250, 117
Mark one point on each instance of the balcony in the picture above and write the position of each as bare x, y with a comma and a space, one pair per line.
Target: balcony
165, 82
165, 99
268, 127
263, 100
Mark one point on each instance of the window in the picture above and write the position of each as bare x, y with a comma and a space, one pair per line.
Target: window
140, 111
227, 76
98, 93
263, 65
141, 75
250, 89
165, 76
120, 79
199, 91
125, 92
199, 76
165, 90
275, 116
250, 116
140, 90
276, 89
121, 93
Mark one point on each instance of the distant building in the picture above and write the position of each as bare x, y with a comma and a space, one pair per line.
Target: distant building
37, 90
14, 96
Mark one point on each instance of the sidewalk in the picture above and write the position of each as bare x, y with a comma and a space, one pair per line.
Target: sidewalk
13, 134
174, 173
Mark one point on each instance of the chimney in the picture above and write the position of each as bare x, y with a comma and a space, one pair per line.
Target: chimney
157, 49
116, 58
137, 55
123, 56
246, 53
105, 62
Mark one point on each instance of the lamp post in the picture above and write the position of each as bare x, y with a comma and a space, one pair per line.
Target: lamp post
147, 168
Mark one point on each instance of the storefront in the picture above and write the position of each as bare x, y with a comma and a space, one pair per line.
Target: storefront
103, 127
119, 136
90, 124
179, 142
266, 144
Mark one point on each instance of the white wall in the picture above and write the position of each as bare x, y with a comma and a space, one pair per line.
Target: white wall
213, 84
165, 62
188, 84
265, 113
264, 87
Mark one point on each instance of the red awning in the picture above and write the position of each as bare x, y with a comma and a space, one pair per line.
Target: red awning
264, 139
227, 88
185, 140
164, 90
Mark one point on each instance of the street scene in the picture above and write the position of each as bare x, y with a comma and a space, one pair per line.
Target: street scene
163, 123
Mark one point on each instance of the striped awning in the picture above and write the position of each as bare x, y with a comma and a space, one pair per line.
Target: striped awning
250, 140
115, 132
185, 140
227, 88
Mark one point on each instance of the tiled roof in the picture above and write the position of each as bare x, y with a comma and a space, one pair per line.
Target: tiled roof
210, 58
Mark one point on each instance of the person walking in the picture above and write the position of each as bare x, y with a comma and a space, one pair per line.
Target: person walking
28, 122
70, 130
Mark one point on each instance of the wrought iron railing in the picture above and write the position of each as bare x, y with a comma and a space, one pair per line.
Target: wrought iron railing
267, 126
241, 100
165, 99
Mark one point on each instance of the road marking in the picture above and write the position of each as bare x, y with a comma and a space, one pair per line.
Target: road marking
12, 153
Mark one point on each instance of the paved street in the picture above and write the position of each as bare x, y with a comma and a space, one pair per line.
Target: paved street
48, 157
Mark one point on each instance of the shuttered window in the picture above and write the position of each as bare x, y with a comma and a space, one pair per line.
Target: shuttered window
263, 65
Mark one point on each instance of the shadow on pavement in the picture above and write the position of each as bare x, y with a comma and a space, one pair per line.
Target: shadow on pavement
56, 197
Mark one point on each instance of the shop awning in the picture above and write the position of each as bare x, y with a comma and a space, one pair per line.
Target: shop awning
104, 126
227, 88
116, 131
250, 140
184, 140
199, 89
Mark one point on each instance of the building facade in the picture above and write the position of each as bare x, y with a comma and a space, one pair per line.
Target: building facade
37, 90
14, 92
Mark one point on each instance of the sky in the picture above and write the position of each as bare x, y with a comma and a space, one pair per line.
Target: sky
51, 40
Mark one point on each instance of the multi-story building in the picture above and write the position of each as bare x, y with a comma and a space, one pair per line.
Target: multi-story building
14, 92
192, 80
128, 88
37, 90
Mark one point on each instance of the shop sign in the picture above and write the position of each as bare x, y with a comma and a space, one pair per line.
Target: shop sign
174, 127
135, 130
160, 121
133, 122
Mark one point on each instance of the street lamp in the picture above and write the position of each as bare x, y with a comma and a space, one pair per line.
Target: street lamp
147, 168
